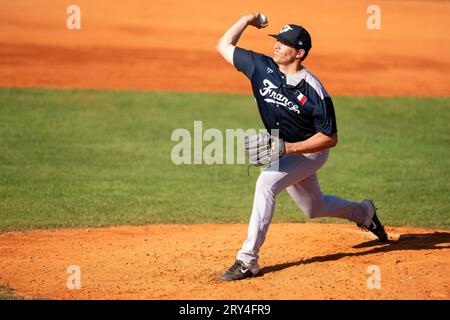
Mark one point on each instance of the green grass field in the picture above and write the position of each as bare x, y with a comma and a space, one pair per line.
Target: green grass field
99, 158
6, 293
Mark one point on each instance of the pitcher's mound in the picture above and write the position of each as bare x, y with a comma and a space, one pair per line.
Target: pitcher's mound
298, 261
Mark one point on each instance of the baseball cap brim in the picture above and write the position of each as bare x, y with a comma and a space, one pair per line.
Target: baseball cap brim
282, 39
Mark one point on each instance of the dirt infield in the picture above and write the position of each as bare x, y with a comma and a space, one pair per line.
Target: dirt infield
169, 45
298, 261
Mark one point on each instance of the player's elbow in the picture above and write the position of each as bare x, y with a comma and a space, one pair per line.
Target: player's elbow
221, 45
220, 49
333, 140
226, 50
329, 141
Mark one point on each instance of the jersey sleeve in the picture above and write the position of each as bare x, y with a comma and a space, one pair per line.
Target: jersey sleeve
324, 117
244, 61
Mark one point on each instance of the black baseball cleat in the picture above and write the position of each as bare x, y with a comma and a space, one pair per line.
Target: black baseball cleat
239, 271
375, 224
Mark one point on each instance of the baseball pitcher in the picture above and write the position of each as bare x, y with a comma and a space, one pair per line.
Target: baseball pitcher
293, 103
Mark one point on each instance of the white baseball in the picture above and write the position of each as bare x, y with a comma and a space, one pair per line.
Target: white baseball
262, 19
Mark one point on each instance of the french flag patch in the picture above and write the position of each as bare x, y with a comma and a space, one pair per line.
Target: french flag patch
302, 98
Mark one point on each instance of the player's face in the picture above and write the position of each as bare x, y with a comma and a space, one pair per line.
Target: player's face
284, 54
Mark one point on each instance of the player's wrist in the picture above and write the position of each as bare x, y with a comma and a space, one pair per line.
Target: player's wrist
287, 147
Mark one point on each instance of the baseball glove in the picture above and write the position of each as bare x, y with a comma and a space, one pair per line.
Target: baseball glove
263, 148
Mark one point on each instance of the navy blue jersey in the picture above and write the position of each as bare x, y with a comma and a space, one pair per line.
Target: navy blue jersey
299, 111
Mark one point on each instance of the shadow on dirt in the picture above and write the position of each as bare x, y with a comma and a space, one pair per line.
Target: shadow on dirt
428, 241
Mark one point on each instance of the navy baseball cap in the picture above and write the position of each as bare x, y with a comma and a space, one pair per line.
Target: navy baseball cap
294, 35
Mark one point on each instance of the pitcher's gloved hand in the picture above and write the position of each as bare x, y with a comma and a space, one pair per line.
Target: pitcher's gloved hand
263, 148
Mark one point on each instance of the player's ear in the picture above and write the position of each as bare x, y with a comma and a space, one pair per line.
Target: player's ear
300, 54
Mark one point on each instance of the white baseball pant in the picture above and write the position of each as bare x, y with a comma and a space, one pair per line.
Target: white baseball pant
297, 174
